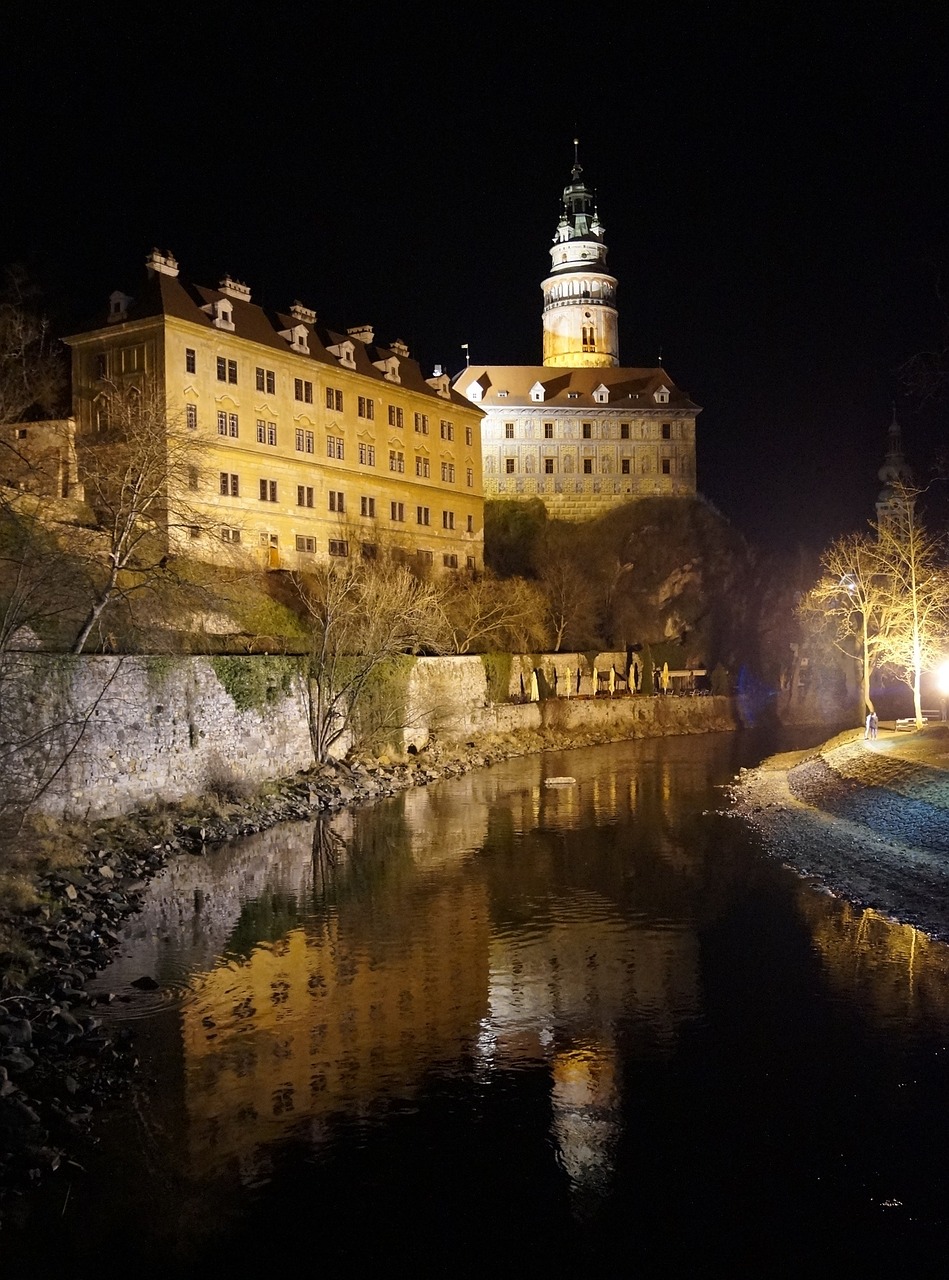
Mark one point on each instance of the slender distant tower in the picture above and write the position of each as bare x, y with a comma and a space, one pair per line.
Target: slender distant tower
892, 505
580, 318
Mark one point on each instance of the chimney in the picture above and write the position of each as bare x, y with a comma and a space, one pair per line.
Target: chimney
362, 333
400, 349
302, 313
235, 289
161, 264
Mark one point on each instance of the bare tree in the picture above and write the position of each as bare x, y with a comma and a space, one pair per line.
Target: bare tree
359, 615
482, 613
140, 471
854, 596
913, 566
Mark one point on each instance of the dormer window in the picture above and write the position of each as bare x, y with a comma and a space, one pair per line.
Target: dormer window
661, 395
537, 393
221, 312
601, 395
475, 391
573, 395
389, 368
502, 395
298, 337
118, 306
344, 353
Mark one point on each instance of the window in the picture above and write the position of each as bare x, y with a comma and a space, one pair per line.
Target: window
469, 524
194, 531
470, 562
509, 466
624, 430
307, 545
266, 432
303, 390
624, 466
450, 561
421, 423
667, 431
587, 431
448, 519
422, 468
230, 485
367, 508
101, 366
447, 430
397, 510
268, 491
334, 399
469, 435
192, 477
298, 439
191, 416
266, 380
337, 501
339, 547
304, 441
232, 426
334, 447
422, 515
191, 361
548, 431
369, 550
304, 495
448, 472
548, 466
230, 535
509, 431
221, 422
667, 466
396, 460
588, 466
367, 455
221, 369
367, 408
424, 557
469, 477
396, 416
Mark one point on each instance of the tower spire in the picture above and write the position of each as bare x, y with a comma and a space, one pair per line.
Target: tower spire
580, 318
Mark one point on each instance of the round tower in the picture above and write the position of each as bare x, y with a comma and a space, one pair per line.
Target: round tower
580, 317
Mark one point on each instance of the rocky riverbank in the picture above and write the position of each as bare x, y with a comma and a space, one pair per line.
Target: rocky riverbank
867, 821
58, 1065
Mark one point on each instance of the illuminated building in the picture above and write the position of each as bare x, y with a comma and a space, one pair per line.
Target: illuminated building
315, 444
581, 432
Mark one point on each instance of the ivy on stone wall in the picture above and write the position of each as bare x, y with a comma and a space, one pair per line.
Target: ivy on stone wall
379, 715
254, 683
497, 671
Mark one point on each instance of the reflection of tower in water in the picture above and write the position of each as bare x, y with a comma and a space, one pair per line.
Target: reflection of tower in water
585, 1122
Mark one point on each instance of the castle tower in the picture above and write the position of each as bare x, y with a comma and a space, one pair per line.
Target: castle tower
580, 318
895, 473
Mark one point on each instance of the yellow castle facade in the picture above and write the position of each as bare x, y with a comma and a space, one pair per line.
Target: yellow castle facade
313, 444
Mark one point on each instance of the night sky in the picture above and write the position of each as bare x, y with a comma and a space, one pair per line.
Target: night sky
773, 187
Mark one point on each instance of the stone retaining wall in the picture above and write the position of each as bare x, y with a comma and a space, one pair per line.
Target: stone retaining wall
110, 734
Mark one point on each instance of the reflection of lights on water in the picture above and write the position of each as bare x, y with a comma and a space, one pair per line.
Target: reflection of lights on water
584, 1121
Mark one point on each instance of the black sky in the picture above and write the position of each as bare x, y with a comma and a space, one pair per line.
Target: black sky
773, 185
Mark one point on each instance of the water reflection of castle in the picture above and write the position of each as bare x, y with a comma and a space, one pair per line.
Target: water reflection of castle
397, 977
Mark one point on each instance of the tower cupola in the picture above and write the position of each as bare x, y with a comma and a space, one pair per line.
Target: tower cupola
580, 317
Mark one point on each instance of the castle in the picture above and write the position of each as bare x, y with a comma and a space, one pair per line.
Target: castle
581, 432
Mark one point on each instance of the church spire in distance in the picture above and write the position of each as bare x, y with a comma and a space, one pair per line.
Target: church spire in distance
580, 317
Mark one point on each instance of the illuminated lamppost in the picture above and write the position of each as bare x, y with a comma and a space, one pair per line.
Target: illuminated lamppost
942, 681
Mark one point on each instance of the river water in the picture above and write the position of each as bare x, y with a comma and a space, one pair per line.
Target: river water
512, 1024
